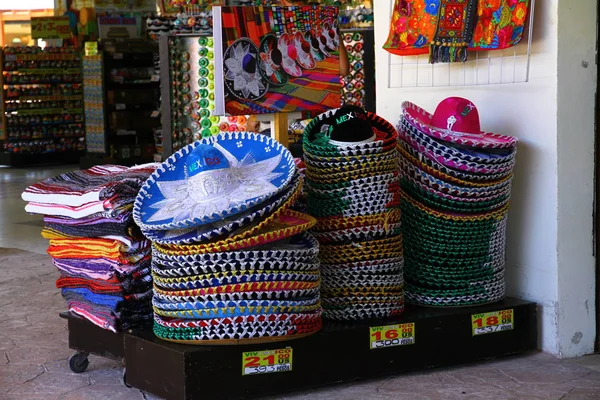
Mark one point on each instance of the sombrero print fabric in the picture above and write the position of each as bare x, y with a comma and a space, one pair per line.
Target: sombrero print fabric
277, 59
231, 260
353, 190
455, 191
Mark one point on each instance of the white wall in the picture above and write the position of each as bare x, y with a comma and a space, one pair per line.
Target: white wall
576, 97
529, 111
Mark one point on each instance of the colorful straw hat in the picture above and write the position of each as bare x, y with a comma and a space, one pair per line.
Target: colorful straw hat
455, 120
212, 179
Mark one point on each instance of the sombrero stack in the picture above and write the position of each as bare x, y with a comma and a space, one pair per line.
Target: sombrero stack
456, 184
352, 189
231, 261
103, 259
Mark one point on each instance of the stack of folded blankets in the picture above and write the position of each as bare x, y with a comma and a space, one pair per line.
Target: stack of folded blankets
103, 259
456, 183
352, 188
231, 260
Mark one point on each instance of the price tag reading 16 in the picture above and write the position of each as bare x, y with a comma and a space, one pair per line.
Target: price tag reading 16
491, 322
392, 335
267, 361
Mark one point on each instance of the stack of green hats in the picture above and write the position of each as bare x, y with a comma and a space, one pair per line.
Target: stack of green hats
456, 183
352, 189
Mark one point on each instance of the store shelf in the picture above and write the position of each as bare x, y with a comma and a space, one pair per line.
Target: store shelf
41, 83
46, 71
73, 97
9, 139
9, 125
41, 57
47, 111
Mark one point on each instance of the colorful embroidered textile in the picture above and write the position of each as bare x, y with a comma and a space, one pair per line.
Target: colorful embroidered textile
96, 184
98, 248
499, 24
99, 268
454, 30
412, 27
109, 207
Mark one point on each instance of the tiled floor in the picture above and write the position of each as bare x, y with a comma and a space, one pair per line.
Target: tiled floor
34, 344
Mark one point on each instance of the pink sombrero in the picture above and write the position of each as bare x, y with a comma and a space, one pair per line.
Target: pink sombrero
455, 120
305, 58
285, 44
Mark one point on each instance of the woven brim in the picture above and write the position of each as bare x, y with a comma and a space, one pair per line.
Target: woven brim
358, 234
364, 312
303, 246
287, 224
239, 331
455, 298
481, 156
432, 166
174, 269
452, 159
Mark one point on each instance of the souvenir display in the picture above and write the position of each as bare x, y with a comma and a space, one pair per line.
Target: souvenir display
445, 28
42, 101
352, 189
455, 187
93, 94
104, 261
353, 84
281, 59
231, 260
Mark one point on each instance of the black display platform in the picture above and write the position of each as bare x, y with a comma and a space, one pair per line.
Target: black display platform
339, 353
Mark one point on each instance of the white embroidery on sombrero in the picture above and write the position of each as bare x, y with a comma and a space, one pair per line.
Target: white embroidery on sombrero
451, 121
213, 191
243, 81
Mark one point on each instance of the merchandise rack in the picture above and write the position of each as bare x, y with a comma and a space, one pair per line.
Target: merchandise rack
41, 108
340, 352
125, 107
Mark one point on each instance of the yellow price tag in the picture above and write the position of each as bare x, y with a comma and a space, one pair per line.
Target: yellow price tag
495, 321
267, 361
391, 335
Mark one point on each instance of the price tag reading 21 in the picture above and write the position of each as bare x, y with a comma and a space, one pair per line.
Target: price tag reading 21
392, 335
496, 321
267, 361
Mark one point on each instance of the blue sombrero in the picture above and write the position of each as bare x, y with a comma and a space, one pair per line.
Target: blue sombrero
212, 179
229, 225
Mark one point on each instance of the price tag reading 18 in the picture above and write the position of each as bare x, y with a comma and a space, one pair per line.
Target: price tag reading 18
496, 321
267, 361
392, 335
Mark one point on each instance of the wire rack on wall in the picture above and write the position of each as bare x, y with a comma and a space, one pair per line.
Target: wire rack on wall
482, 67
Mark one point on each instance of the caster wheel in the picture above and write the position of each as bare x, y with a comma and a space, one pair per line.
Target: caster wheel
79, 362
124, 378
